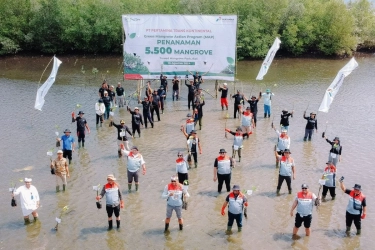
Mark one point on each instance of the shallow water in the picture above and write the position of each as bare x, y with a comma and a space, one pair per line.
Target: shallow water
27, 135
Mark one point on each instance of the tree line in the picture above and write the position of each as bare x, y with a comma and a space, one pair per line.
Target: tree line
325, 27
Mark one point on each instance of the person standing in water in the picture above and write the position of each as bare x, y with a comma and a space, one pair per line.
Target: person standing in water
254, 106
61, 169
267, 102
122, 139
135, 162
335, 152
312, 124
30, 201
137, 121
146, 104
237, 143
224, 96
81, 126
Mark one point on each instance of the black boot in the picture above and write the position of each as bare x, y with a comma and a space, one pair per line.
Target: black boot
83, 144
265, 115
118, 223
166, 227
181, 226
110, 225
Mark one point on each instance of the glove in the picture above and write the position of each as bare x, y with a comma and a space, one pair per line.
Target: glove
73, 115
98, 197
223, 211
363, 216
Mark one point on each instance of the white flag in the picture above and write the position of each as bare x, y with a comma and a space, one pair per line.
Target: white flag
336, 84
43, 90
269, 58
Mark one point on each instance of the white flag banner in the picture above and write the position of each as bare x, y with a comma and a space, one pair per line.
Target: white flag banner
336, 84
269, 58
43, 90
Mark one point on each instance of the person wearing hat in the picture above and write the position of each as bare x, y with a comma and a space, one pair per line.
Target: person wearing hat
155, 105
304, 201
120, 95
283, 142
222, 170
254, 106
175, 88
335, 152
312, 124
193, 144
190, 124
284, 121
68, 144
137, 120
107, 104
236, 201
61, 169
286, 171
191, 93
267, 102
224, 96
247, 122
238, 102
99, 109
356, 209
102, 89
174, 192
329, 175
135, 162
81, 126
182, 167
146, 104
237, 142
161, 94
29, 198
113, 200
122, 139
198, 113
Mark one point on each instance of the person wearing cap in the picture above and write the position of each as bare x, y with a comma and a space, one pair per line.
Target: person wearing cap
198, 80
304, 201
107, 104
191, 93
335, 152
61, 169
254, 106
237, 142
356, 209
312, 124
193, 144
122, 139
137, 120
329, 175
81, 126
112, 95
190, 124
99, 109
238, 102
135, 162
161, 94
247, 122
182, 167
120, 95
146, 104
284, 121
283, 142
164, 83
198, 113
102, 89
224, 96
174, 193
175, 88
113, 200
155, 105
29, 198
267, 102
222, 170
68, 144
236, 201
286, 171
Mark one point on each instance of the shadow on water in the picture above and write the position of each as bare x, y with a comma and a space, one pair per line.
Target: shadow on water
282, 236
91, 230
270, 194
214, 194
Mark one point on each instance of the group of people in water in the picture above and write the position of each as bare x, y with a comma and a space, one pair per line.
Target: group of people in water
176, 192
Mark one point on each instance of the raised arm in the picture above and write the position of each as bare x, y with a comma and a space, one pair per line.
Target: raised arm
183, 131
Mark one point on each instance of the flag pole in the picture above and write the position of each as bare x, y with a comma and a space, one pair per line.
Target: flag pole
44, 71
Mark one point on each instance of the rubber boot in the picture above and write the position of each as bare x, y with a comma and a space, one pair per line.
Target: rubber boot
239, 159
57, 189
83, 144
27, 221
278, 191
290, 191
119, 153
196, 165
304, 138
70, 161
265, 115
269, 115
229, 230
64, 186
324, 198
79, 144
333, 198
118, 224
239, 229
35, 219
110, 225
181, 226
136, 187
358, 231
166, 227
222, 107
347, 230
130, 187
152, 125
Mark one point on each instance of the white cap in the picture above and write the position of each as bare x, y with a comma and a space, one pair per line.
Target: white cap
136, 108
28, 179
225, 84
59, 151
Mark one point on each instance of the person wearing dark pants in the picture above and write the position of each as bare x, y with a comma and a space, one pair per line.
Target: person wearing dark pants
254, 106
107, 104
335, 152
199, 112
356, 209
236, 201
191, 93
68, 145
99, 109
330, 176
222, 170
312, 124
137, 120
155, 101
175, 88
114, 201
182, 168
146, 111
161, 94
287, 169
238, 102
81, 126
193, 144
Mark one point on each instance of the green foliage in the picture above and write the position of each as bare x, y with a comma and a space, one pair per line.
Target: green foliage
134, 64
364, 16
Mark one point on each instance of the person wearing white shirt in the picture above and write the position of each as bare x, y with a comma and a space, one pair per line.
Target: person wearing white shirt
267, 102
29, 198
99, 109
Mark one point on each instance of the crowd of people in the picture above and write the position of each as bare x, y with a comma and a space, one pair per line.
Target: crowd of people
176, 192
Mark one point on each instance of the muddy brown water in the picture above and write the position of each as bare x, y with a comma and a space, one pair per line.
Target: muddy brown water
27, 134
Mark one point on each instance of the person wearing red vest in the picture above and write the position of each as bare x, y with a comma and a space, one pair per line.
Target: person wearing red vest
182, 168
236, 201
304, 202
114, 201
222, 170
287, 170
356, 209
134, 164
174, 193
330, 176
237, 143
